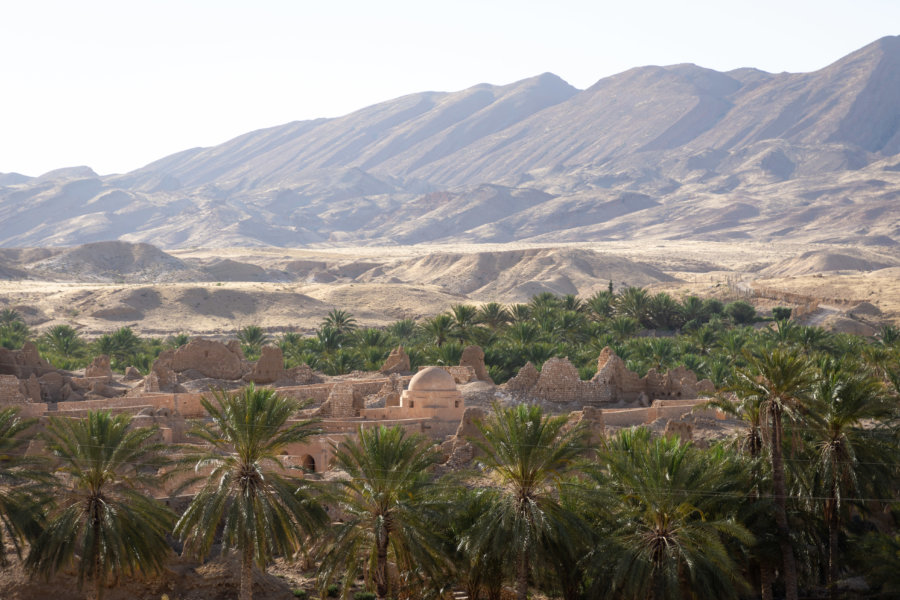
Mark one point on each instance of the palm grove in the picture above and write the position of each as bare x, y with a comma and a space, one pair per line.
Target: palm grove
802, 499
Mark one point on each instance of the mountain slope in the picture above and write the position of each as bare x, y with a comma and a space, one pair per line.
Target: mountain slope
654, 152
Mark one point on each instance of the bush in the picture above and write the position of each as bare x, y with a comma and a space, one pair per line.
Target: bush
299, 593
364, 596
333, 590
741, 312
781, 313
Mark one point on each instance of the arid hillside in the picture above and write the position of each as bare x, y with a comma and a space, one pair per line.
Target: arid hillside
654, 153
100, 287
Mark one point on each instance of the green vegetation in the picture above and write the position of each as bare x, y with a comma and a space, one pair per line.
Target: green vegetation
262, 512
101, 521
803, 496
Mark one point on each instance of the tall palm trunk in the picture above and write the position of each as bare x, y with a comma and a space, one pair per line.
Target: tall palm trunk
780, 489
522, 576
763, 567
381, 576
247, 575
766, 579
833, 532
99, 576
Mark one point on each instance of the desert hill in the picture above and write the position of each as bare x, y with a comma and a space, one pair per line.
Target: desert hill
656, 152
823, 261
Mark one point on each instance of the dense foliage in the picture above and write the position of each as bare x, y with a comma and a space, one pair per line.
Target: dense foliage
802, 498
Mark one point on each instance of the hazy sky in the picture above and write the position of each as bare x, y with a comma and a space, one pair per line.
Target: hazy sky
117, 84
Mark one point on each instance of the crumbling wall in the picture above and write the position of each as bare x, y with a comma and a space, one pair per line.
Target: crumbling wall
396, 362
214, 359
473, 356
558, 382
269, 367
10, 392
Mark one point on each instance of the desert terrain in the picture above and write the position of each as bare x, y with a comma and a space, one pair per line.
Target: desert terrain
214, 292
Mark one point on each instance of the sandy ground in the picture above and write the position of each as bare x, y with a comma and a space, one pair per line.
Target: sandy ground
420, 281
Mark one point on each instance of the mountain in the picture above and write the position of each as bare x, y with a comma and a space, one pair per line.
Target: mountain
654, 152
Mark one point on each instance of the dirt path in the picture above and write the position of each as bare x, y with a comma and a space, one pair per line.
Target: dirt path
818, 317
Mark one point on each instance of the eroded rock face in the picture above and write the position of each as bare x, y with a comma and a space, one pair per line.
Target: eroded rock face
214, 359
396, 362
269, 367
473, 356
99, 367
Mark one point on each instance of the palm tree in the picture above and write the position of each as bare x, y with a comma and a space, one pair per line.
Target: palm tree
634, 302
121, 345
341, 320
845, 450
601, 304
64, 340
386, 501
494, 315
669, 513
253, 338
21, 503
262, 512
528, 455
438, 328
781, 382
464, 319
665, 312
103, 519
8, 316
520, 313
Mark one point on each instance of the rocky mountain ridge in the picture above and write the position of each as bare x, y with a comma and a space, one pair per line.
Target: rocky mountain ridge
654, 152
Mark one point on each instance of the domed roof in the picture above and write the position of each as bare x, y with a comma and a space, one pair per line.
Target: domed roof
432, 379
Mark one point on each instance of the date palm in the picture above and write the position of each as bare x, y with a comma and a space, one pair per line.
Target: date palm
438, 329
386, 501
262, 511
21, 500
670, 515
849, 458
103, 521
781, 383
64, 340
494, 315
341, 320
253, 338
528, 455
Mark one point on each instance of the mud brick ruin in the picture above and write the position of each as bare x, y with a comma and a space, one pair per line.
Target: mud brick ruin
431, 402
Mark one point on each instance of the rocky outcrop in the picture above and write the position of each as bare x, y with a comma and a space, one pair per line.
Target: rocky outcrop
473, 356
396, 362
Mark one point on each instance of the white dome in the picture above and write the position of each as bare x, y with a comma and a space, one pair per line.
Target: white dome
432, 379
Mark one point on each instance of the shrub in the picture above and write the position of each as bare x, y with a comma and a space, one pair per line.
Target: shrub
741, 312
298, 593
364, 596
333, 590
781, 313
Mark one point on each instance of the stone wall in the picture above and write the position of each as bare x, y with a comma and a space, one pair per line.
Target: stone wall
10, 392
558, 382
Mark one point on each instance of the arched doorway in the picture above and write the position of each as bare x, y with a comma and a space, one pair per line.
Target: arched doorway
309, 463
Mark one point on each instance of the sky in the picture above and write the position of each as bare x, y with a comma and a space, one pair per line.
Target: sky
117, 84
